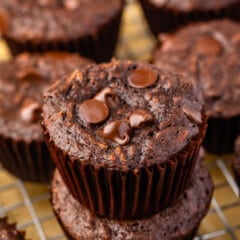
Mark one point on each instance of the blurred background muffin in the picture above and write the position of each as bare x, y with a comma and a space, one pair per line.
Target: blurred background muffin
87, 27
22, 82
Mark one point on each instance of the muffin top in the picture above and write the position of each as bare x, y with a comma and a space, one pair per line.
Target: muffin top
55, 19
122, 114
22, 82
190, 5
209, 53
9, 231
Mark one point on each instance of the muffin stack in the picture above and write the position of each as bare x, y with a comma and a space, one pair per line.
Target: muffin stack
125, 138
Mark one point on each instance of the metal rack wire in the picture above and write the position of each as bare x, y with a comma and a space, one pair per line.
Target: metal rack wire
28, 204
223, 215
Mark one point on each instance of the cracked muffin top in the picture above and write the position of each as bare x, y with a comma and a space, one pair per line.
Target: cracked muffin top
122, 114
209, 53
22, 82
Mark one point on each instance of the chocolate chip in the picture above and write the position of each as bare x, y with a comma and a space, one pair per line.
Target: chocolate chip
71, 4
30, 111
207, 45
139, 118
93, 111
49, 3
236, 41
142, 77
4, 20
108, 96
117, 131
192, 114
30, 74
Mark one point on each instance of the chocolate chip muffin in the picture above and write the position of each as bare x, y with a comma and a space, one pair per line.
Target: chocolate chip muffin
236, 161
178, 222
209, 53
85, 26
124, 136
165, 16
9, 231
22, 82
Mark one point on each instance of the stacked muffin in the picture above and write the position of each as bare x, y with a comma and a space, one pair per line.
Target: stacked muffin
125, 138
209, 53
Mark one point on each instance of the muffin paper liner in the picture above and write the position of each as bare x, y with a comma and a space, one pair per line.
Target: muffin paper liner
28, 161
164, 19
130, 194
221, 134
101, 226
99, 46
236, 170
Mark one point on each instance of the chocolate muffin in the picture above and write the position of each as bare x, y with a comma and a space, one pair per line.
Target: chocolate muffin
85, 26
165, 16
209, 53
236, 161
179, 222
9, 231
22, 82
124, 136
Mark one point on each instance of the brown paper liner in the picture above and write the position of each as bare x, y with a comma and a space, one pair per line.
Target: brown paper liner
99, 46
236, 170
128, 194
221, 134
75, 219
163, 19
28, 161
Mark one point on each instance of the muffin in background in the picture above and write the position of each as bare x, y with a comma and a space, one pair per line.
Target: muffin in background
9, 231
124, 136
166, 16
180, 221
23, 151
236, 162
209, 53
85, 26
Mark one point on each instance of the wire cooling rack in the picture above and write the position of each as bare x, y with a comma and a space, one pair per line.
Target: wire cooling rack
28, 204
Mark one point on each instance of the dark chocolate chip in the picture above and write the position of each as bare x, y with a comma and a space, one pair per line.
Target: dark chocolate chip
30, 111
192, 114
93, 111
117, 131
30, 74
139, 118
142, 77
4, 20
236, 41
71, 4
207, 45
108, 96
